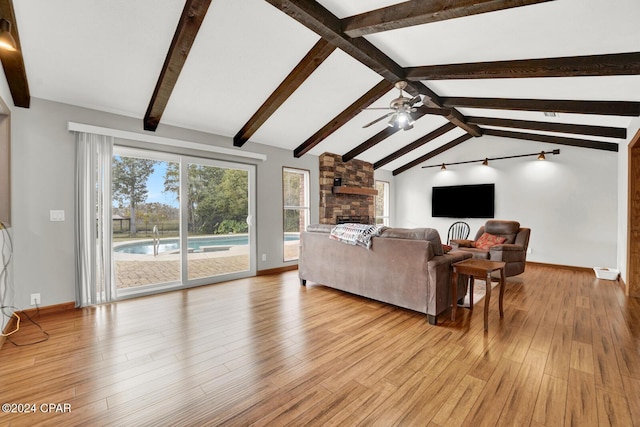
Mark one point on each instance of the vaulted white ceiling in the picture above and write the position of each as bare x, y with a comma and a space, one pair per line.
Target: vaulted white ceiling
107, 55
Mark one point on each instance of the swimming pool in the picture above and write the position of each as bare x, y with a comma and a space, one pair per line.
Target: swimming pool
145, 247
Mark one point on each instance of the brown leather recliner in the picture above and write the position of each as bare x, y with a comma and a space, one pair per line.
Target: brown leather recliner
513, 251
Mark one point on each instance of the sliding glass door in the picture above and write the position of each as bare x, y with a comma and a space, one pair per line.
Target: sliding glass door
179, 221
217, 220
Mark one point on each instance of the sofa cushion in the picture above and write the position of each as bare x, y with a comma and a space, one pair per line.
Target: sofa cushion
487, 240
429, 234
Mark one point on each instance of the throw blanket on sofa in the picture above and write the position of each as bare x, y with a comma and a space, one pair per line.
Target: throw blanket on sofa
355, 234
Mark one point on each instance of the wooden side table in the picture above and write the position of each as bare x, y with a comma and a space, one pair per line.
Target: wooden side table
481, 269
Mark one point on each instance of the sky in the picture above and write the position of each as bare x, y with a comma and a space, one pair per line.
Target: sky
155, 185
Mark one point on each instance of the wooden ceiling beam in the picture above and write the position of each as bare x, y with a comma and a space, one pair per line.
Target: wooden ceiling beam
573, 142
341, 119
418, 12
459, 120
618, 64
608, 131
369, 143
312, 60
318, 19
13, 62
432, 154
415, 144
188, 26
377, 138
612, 108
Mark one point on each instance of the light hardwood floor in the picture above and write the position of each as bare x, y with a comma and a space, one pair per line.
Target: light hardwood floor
266, 351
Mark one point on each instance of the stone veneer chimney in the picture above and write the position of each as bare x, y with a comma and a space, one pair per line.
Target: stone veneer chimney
356, 195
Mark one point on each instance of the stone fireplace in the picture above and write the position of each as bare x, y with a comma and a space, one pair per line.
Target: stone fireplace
354, 197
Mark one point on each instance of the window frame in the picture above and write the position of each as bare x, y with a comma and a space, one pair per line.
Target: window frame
304, 209
385, 203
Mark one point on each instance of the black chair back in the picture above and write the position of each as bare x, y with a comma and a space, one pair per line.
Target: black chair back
458, 230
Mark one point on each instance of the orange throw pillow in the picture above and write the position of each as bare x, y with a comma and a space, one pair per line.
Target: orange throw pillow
487, 240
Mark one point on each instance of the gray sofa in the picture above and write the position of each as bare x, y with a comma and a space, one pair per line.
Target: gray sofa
403, 267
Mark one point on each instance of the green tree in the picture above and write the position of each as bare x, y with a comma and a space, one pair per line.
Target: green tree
130, 177
218, 198
224, 207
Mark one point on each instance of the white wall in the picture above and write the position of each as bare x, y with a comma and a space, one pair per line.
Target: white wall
569, 202
43, 179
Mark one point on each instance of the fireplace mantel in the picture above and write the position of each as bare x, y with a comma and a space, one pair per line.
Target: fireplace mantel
343, 189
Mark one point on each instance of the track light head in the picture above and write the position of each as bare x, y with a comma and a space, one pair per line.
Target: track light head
7, 42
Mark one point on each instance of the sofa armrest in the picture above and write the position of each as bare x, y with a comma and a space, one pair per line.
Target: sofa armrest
461, 243
439, 271
507, 252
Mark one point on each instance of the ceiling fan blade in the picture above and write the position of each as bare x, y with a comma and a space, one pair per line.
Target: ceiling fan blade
375, 108
377, 120
415, 100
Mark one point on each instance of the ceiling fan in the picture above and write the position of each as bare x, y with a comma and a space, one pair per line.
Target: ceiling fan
401, 109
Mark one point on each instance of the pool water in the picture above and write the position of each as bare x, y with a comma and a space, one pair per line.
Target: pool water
145, 247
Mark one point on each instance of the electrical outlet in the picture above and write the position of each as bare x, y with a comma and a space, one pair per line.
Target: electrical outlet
264, 257
56, 215
528, 250
35, 299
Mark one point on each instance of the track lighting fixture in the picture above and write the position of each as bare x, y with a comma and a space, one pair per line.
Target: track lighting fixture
7, 42
485, 161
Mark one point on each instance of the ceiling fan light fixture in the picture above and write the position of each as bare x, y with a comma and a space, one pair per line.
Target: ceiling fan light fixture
7, 42
410, 120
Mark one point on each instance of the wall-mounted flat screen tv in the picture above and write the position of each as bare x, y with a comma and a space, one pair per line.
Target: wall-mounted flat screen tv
463, 201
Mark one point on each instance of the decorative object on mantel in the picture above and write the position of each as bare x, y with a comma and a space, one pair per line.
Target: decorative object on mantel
485, 161
337, 182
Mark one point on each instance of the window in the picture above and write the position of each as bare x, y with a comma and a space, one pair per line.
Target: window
382, 203
295, 190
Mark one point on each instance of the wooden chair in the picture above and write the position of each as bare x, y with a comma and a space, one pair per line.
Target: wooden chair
458, 230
